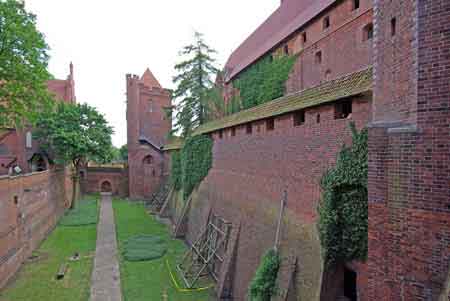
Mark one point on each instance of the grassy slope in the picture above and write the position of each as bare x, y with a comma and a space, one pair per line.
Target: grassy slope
148, 280
36, 281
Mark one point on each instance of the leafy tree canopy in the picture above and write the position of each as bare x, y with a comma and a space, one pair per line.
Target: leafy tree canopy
194, 81
75, 133
23, 65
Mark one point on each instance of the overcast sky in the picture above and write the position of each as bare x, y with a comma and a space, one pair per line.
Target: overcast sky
107, 39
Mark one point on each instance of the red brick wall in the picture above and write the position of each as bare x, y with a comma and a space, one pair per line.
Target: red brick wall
41, 200
409, 158
117, 177
247, 179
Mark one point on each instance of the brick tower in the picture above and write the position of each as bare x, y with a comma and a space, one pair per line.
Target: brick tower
409, 157
147, 129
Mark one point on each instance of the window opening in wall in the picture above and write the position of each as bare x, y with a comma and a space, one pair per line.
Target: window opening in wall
299, 118
147, 160
150, 106
153, 173
304, 38
248, 128
368, 32
270, 124
318, 57
393, 26
350, 286
106, 187
16, 200
28, 140
220, 134
318, 118
343, 109
233, 132
327, 74
355, 4
286, 49
82, 175
326, 22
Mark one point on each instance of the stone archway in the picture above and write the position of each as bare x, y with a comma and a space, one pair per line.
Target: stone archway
106, 186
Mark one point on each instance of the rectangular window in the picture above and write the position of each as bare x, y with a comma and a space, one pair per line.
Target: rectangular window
355, 4
299, 118
270, 124
343, 109
286, 50
304, 38
393, 26
233, 132
326, 22
220, 134
248, 128
368, 32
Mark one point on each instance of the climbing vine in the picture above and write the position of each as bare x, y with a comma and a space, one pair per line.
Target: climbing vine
263, 81
196, 160
263, 286
343, 209
175, 170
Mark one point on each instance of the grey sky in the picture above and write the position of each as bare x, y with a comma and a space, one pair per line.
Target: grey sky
107, 39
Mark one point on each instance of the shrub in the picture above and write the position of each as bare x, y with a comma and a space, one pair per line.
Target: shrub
263, 285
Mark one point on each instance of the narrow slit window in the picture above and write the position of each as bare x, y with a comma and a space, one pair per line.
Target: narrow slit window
393, 26
319, 57
318, 118
343, 110
249, 129
304, 37
233, 132
299, 118
270, 124
220, 134
326, 22
355, 4
286, 49
368, 32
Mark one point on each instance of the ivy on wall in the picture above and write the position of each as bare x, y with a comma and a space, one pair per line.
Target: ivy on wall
263, 285
264, 80
343, 210
196, 160
175, 170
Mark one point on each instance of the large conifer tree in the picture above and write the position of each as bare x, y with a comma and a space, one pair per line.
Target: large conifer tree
193, 81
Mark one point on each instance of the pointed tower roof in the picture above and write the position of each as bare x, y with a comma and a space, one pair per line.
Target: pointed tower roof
150, 80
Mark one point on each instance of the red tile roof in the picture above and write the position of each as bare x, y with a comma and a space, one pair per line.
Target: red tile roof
289, 17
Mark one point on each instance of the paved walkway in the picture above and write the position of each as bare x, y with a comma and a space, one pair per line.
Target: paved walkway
105, 283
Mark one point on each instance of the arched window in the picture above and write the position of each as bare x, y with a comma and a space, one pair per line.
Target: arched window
147, 159
38, 163
28, 140
106, 187
368, 32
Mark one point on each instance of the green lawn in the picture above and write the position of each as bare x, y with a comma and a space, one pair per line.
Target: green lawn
148, 280
36, 281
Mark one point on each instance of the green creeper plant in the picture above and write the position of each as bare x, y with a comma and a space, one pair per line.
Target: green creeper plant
343, 210
175, 170
263, 81
263, 285
74, 134
196, 160
23, 66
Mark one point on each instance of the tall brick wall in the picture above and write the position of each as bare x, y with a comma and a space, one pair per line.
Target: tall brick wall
30, 206
247, 180
147, 127
409, 157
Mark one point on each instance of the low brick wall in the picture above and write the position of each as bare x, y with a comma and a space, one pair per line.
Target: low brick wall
96, 176
30, 206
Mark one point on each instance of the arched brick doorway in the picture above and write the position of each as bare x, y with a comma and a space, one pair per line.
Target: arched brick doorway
106, 186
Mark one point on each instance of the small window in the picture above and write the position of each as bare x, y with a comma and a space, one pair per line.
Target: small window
270, 124
304, 38
147, 160
318, 118
326, 22
319, 57
299, 118
233, 132
220, 134
393, 26
28, 140
248, 128
150, 106
355, 4
328, 74
368, 32
286, 49
343, 109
